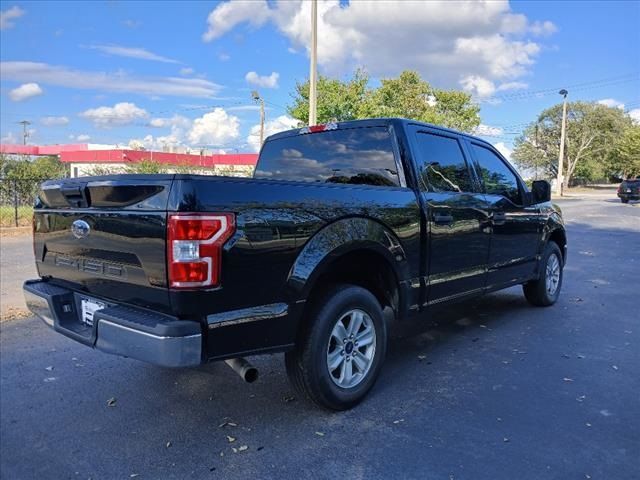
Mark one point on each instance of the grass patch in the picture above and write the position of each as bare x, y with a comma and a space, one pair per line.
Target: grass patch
8, 216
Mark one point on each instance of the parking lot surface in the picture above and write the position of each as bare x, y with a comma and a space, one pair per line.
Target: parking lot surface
499, 390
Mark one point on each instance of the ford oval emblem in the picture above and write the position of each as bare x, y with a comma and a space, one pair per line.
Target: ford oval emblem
80, 229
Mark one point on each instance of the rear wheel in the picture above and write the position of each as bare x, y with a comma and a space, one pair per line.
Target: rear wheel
545, 290
339, 358
624, 200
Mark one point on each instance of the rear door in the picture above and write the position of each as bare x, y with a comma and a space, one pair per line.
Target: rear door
515, 227
106, 236
458, 243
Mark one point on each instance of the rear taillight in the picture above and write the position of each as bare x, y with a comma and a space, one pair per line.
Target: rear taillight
194, 248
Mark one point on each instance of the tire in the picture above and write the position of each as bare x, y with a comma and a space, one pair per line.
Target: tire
308, 364
624, 200
546, 290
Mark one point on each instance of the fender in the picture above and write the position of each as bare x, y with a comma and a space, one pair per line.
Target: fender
337, 239
553, 223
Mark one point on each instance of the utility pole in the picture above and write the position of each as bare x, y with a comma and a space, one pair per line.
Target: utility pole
25, 134
560, 177
313, 75
256, 96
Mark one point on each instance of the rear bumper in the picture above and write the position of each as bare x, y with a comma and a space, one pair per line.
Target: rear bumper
117, 329
629, 196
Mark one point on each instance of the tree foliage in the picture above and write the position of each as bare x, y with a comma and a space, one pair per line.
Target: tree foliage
592, 135
337, 100
626, 156
39, 168
407, 96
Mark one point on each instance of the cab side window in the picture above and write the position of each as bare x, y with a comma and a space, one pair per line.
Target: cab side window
441, 164
497, 177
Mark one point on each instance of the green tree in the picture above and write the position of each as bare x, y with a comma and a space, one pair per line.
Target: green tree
337, 100
39, 168
593, 131
625, 159
407, 96
146, 166
410, 96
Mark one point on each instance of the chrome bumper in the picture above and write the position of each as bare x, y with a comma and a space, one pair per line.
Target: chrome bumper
120, 330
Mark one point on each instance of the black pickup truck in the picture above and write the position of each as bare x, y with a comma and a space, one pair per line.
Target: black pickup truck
345, 230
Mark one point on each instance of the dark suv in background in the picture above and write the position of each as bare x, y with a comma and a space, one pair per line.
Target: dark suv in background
629, 189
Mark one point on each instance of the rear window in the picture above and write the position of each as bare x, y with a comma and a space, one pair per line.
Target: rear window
362, 156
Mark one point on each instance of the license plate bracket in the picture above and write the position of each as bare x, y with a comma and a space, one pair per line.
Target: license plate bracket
88, 308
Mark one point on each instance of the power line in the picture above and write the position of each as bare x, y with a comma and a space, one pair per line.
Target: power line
582, 86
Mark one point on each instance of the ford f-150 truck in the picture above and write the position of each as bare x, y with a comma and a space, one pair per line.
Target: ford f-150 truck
345, 230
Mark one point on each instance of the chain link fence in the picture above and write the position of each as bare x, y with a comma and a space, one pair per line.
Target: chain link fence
16, 201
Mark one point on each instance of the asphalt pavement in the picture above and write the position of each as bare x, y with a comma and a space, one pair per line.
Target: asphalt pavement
500, 390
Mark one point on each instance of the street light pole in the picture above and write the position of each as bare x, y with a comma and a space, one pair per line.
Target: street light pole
25, 134
560, 177
256, 96
313, 74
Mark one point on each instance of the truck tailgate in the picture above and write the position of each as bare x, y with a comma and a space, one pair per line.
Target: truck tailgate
105, 235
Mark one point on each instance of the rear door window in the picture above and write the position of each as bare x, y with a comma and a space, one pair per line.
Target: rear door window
497, 177
441, 164
361, 156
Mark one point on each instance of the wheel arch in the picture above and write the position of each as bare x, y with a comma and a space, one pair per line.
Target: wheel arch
355, 250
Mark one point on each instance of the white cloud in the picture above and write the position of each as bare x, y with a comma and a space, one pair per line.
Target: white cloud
131, 23
281, 123
612, 103
120, 114
9, 138
478, 86
466, 40
186, 71
264, 81
224, 57
54, 121
512, 86
179, 127
543, 29
488, 130
504, 150
132, 52
80, 138
635, 115
108, 81
8, 16
214, 128
227, 15
25, 91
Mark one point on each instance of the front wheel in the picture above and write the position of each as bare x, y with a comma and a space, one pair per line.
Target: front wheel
545, 290
339, 358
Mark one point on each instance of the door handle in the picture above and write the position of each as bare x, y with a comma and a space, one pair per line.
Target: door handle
498, 218
441, 219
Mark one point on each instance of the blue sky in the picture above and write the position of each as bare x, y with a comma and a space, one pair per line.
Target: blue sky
182, 72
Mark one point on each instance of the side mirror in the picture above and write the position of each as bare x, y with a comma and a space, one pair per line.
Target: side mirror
540, 191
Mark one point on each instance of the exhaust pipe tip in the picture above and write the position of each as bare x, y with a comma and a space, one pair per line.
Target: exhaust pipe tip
242, 367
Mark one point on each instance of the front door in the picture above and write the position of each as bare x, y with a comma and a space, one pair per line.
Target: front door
457, 218
516, 227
